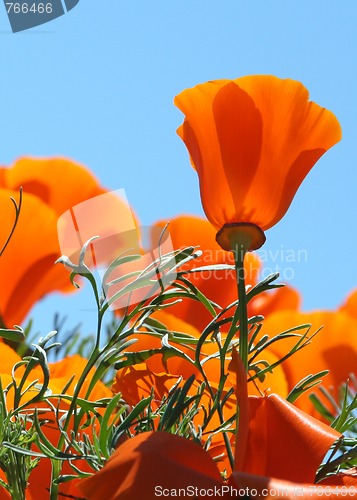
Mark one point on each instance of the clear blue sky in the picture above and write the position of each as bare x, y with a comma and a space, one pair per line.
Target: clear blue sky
97, 85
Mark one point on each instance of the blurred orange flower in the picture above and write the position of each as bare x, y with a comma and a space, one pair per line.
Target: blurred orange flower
252, 141
60, 374
350, 304
285, 298
58, 182
334, 348
50, 186
136, 383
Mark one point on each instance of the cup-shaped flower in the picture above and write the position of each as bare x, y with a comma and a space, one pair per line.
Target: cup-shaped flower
333, 349
61, 372
252, 141
28, 273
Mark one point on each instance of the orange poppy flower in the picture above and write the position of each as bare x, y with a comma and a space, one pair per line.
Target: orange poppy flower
138, 382
60, 373
27, 266
283, 441
152, 464
333, 348
55, 181
280, 447
252, 141
350, 304
271, 431
285, 298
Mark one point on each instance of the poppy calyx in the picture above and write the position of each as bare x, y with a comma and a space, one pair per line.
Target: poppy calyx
242, 235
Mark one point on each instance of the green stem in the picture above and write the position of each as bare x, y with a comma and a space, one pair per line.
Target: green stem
56, 464
242, 307
95, 355
56, 471
16, 476
216, 398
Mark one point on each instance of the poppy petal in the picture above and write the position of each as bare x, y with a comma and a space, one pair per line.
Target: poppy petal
285, 442
152, 462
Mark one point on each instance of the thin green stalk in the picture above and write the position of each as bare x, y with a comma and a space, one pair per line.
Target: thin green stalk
242, 307
96, 353
56, 464
216, 398
15, 476
56, 471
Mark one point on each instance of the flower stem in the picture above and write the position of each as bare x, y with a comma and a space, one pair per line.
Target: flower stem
56, 472
239, 254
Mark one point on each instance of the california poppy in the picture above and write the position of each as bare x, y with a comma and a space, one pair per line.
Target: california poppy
55, 181
280, 447
270, 430
60, 374
279, 431
252, 141
350, 304
285, 298
333, 348
27, 267
153, 464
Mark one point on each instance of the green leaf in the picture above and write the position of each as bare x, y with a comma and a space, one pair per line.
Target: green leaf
321, 408
118, 262
105, 426
213, 267
135, 412
17, 335
305, 384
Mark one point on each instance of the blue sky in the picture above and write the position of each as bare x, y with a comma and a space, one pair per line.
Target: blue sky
97, 85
